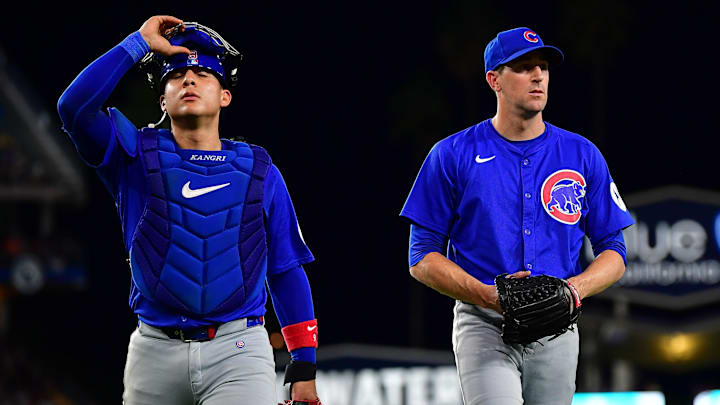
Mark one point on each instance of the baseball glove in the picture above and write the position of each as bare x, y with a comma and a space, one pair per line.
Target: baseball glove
535, 307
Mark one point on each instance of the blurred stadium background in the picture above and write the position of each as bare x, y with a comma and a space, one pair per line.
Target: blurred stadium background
348, 99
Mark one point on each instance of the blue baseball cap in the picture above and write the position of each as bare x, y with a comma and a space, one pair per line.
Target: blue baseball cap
512, 44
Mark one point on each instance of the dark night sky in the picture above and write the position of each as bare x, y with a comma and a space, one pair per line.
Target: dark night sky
348, 99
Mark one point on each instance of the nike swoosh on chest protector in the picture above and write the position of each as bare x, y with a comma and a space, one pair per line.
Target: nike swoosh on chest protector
187, 192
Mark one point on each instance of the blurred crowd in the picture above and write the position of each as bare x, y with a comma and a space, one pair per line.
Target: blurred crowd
32, 263
57, 247
25, 377
25, 380
16, 168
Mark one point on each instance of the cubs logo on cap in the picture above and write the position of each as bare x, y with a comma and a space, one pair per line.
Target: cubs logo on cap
561, 194
512, 44
530, 36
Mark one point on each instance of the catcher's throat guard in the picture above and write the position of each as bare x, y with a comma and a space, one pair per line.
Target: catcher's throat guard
536, 307
208, 49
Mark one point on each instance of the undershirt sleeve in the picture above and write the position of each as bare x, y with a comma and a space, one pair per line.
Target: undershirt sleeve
292, 300
424, 241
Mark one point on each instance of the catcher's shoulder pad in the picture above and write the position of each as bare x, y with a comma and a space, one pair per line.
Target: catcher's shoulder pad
125, 131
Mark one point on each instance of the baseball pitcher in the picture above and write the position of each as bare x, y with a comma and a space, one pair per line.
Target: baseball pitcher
513, 197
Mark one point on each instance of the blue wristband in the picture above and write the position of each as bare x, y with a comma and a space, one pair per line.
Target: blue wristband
136, 46
304, 354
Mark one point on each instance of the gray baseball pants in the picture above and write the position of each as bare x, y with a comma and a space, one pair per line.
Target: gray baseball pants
236, 367
494, 373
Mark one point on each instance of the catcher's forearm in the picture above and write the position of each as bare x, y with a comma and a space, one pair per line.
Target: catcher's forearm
443, 275
607, 268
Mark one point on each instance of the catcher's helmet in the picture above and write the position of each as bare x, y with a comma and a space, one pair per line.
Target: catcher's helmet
208, 50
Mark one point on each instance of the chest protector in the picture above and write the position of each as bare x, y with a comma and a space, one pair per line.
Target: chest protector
200, 244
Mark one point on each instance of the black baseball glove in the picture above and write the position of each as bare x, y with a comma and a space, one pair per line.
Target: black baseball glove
535, 307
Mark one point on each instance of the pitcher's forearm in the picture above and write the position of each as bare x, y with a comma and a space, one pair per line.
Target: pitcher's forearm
441, 274
607, 268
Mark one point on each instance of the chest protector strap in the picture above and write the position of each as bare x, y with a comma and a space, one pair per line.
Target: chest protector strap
252, 245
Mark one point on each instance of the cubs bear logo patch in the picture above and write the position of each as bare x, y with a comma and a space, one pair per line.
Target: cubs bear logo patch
561, 195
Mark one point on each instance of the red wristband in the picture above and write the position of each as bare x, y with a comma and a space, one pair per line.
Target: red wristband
303, 334
575, 294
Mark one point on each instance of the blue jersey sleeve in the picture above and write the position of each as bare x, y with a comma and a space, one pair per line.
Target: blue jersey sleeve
286, 247
432, 200
292, 300
607, 212
614, 242
422, 242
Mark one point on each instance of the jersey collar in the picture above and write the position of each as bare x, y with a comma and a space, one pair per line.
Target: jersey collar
550, 137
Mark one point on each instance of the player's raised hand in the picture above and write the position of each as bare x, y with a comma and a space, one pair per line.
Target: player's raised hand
153, 32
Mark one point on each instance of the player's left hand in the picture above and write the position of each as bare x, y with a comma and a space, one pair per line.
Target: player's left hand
153, 32
304, 391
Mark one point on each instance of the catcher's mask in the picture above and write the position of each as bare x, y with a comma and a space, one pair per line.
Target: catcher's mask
208, 50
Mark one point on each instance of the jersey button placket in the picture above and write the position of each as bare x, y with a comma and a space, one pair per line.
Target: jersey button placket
528, 209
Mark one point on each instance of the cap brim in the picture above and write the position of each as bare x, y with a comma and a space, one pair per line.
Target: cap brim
554, 55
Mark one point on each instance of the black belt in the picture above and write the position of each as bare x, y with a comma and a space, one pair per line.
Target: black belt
203, 333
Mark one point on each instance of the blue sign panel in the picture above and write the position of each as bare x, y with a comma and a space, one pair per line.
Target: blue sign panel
673, 250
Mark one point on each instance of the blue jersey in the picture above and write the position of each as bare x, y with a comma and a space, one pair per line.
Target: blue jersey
507, 207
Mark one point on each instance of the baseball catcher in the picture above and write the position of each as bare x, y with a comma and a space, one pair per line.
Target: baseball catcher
207, 223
